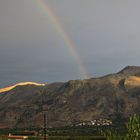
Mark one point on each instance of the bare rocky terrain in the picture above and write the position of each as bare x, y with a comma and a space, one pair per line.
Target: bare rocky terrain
73, 101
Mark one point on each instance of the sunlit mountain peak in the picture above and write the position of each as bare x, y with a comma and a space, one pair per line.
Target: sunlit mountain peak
20, 84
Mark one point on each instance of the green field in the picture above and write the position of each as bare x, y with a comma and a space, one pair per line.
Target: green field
76, 138
66, 138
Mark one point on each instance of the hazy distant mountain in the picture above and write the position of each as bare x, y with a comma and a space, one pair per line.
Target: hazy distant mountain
73, 101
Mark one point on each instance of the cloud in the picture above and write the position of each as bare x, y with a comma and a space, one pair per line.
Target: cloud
106, 34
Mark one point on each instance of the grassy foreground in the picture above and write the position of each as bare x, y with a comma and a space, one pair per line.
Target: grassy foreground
76, 138
66, 138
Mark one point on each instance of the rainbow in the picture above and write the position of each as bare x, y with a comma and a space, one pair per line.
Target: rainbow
67, 40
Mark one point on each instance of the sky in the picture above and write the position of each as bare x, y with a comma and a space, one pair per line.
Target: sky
35, 43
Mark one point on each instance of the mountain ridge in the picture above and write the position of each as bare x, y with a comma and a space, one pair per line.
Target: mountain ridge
5, 89
130, 70
134, 70
72, 102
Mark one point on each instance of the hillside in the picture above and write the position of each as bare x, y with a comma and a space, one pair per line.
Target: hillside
71, 102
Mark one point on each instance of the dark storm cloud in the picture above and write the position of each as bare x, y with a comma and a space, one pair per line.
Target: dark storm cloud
105, 32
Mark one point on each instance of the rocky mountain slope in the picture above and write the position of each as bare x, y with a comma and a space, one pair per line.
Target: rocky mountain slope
71, 102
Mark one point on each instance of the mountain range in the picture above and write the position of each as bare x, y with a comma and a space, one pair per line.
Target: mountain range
67, 103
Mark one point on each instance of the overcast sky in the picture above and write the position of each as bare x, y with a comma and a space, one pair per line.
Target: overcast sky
105, 32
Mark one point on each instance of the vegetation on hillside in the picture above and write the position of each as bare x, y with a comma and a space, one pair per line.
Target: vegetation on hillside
133, 131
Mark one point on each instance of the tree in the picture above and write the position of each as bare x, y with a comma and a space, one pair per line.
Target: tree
133, 130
